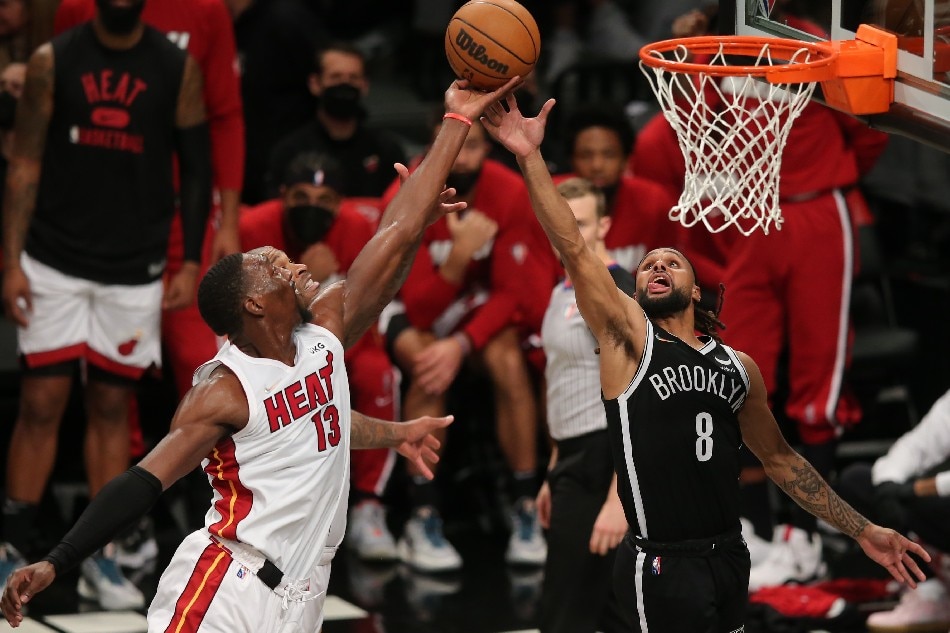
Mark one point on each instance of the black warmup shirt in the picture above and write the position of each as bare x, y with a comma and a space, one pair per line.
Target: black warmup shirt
106, 196
675, 437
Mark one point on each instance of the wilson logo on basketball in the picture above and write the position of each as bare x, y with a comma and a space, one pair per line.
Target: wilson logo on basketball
476, 51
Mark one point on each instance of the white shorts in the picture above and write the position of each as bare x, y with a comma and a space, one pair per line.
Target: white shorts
115, 328
205, 590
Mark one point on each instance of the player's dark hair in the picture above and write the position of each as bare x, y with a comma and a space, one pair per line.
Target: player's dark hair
600, 115
707, 321
220, 293
338, 46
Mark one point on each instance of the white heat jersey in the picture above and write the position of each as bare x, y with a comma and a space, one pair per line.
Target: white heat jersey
281, 483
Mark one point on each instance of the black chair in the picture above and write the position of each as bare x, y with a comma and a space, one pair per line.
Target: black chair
883, 354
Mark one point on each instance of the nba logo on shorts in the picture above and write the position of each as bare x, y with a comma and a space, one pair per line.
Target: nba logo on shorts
657, 561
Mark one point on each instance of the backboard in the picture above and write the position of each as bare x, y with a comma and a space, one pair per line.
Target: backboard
921, 108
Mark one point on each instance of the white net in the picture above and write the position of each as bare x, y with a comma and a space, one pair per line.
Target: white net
731, 131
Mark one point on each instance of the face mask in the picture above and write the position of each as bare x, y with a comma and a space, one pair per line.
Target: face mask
310, 223
119, 20
7, 110
341, 101
464, 182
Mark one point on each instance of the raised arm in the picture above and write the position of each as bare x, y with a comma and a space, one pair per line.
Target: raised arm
34, 111
800, 481
381, 267
614, 319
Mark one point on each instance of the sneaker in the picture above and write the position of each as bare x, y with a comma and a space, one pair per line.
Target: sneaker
367, 534
758, 546
794, 556
423, 545
921, 610
526, 546
138, 547
102, 580
10, 560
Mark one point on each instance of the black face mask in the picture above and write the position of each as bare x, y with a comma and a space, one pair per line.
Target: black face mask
7, 110
309, 223
342, 101
464, 182
119, 20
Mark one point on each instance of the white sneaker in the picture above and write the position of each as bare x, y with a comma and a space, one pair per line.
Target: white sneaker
423, 545
102, 580
920, 610
138, 548
526, 546
758, 547
367, 534
793, 556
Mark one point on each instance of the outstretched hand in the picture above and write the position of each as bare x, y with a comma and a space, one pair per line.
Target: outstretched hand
892, 552
519, 135
470, 103
444, 205
419, 445
22, 585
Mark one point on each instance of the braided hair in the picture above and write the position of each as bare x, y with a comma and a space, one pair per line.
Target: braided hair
707, 321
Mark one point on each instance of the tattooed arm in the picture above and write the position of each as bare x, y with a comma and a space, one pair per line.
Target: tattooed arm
413, 440
807, 488
34, 111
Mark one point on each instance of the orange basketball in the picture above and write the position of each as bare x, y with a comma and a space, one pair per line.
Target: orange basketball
490, 41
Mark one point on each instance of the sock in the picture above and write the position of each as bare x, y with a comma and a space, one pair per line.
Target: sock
18, 523
754, 505
524, 484
422, 492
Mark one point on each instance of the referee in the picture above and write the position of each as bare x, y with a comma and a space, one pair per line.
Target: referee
578, 503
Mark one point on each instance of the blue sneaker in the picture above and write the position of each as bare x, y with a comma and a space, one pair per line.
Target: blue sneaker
526, 546
102, 580
423, 545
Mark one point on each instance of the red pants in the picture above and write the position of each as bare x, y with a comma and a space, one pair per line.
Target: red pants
792, 288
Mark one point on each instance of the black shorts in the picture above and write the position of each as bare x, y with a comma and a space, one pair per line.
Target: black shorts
687, 587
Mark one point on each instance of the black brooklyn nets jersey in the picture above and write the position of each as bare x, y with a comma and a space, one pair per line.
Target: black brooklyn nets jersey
675, 437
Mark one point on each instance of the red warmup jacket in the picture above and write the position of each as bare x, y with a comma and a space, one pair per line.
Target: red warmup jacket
205, 29
263, 225
501, 195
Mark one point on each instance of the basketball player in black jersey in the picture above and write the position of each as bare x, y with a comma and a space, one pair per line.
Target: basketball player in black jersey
679, 407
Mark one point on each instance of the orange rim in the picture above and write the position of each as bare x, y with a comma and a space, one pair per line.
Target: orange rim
821, 56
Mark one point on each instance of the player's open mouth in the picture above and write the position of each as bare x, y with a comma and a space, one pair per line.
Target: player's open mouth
659, 284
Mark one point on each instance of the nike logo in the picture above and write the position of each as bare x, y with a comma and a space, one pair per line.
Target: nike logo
723, 362
665, 340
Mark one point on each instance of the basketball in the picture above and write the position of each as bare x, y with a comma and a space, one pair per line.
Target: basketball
490, 41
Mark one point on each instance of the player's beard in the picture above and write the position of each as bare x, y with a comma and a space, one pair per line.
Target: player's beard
119, 20
666, 306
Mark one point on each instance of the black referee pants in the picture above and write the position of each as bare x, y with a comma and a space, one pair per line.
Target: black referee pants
670, 590
577, 595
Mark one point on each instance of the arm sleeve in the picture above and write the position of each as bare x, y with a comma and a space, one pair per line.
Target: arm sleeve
195, 165
121, 502
222, 94
921, 448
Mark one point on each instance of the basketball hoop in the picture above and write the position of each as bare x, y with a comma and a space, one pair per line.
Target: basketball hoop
731, 126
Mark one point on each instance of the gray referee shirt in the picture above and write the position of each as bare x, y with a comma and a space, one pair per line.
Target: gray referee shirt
572, 371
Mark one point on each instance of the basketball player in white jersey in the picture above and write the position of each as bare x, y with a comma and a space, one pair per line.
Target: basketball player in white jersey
679, 406
269, 420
